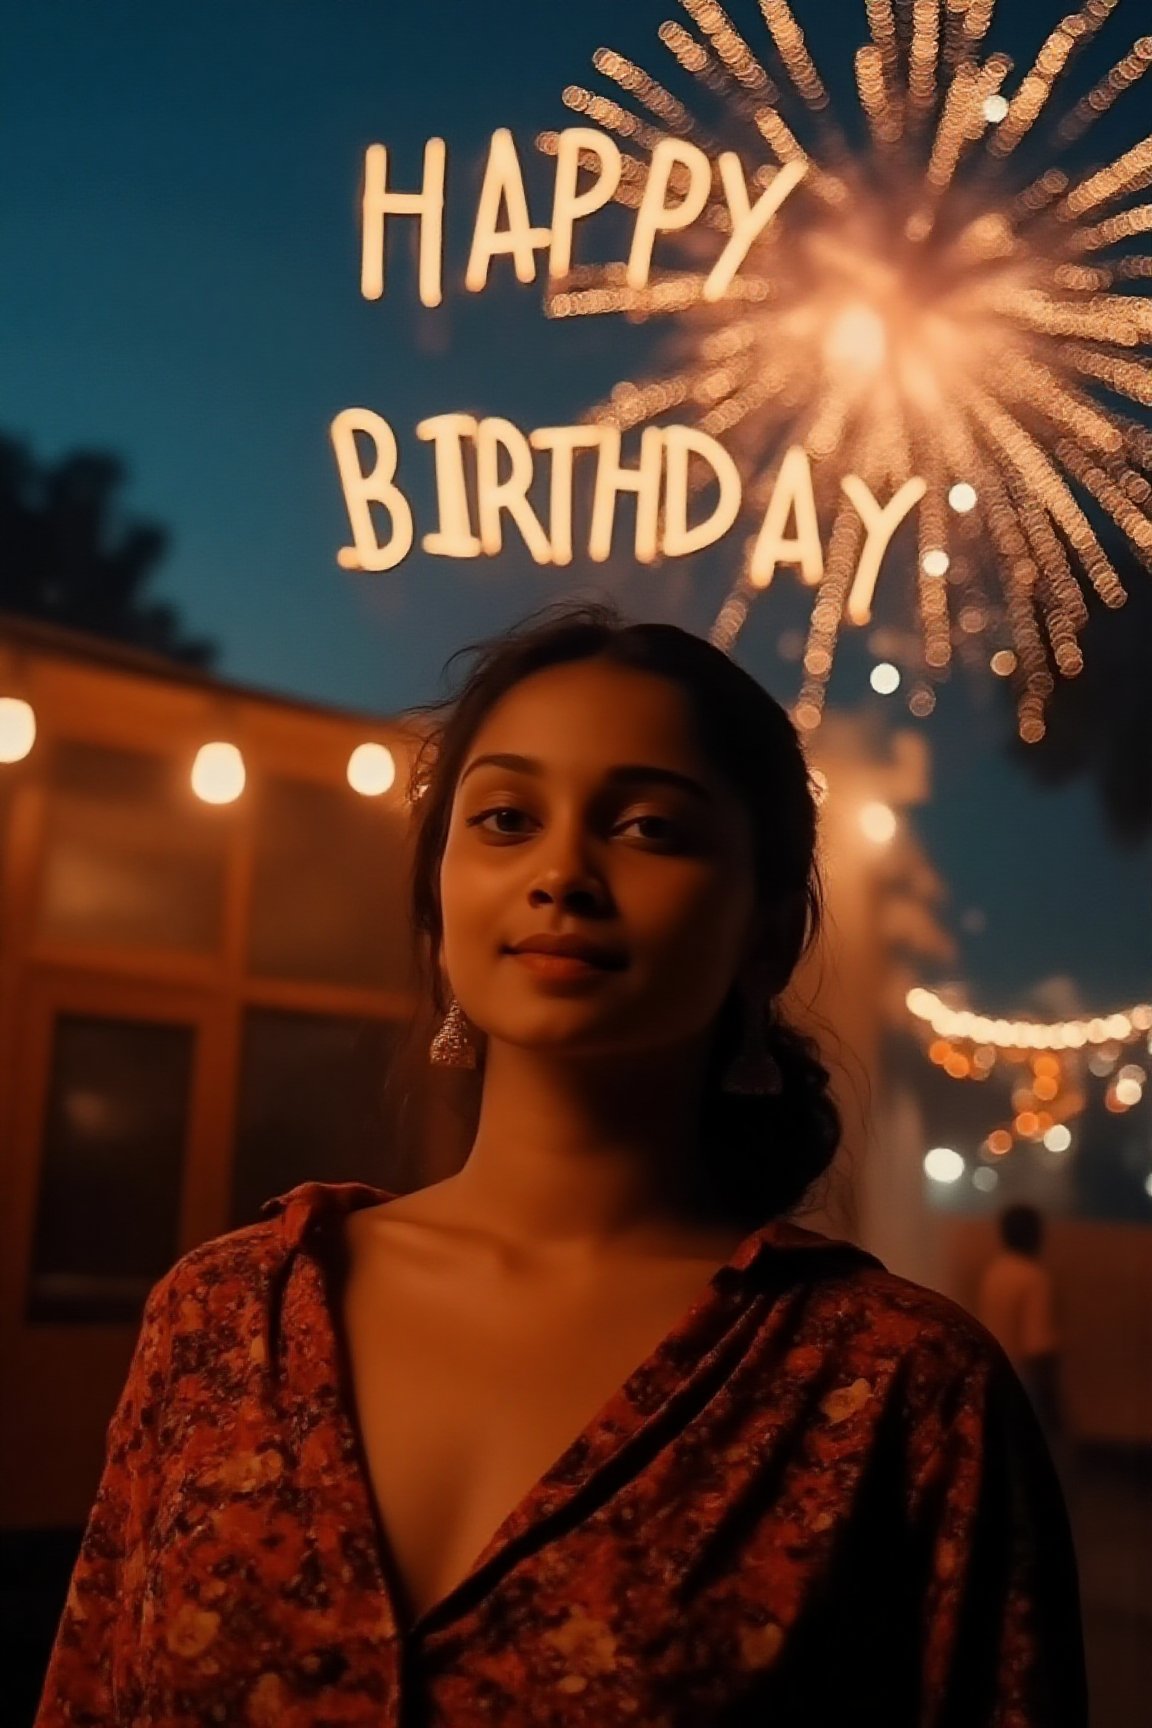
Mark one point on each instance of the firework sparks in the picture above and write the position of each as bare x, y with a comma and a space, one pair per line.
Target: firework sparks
920, 308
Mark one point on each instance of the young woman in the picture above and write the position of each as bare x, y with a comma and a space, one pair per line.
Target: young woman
589, 1432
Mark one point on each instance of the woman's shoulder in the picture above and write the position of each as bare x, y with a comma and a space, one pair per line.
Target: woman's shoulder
926, 1314
220, 1293
904, 1339
219, 1270
952, 1383
285, 1223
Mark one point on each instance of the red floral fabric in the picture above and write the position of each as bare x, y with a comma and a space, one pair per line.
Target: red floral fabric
824, 1499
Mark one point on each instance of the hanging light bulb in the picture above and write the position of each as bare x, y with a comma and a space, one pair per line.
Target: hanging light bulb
218, 773
17, 728
878, 823
371, 769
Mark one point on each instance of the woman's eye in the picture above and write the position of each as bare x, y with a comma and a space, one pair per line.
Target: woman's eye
482, 816
497, 810
661, 822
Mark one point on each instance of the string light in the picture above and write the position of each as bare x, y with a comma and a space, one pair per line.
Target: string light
218, 773
1120, 1027
371, 769
878, 823
1048, 1057
17, 728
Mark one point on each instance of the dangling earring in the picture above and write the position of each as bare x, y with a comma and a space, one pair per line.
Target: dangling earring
753, 1070
452, 1046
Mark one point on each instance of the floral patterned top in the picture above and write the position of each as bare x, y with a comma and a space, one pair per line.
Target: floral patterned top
823, 1499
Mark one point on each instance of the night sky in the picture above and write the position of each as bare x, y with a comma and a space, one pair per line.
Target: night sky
181, 288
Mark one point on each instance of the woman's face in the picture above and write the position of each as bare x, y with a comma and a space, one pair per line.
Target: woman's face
653, 869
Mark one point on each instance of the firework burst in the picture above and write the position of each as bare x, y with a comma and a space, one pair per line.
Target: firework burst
921, 306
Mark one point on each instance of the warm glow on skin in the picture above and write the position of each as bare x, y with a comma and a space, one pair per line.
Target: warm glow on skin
658, 869
591, 1091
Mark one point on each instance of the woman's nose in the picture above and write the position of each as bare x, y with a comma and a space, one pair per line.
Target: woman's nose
566, 872
565, 884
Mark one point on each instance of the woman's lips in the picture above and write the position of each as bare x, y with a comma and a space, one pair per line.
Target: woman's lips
559, 965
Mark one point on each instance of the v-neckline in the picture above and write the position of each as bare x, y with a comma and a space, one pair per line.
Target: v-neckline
627, 1412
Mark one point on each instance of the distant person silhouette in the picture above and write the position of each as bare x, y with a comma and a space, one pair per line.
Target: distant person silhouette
1017, 1304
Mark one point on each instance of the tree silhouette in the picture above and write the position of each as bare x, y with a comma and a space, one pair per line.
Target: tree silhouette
65, 559
1099, 724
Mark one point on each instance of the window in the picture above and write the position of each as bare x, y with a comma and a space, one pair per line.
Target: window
327, 893
132, 857
310, 1104
107, 1224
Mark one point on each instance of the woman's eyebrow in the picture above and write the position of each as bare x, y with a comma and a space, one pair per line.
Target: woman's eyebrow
623, 773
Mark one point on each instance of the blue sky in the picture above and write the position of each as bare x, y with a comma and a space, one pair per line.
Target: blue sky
182, 288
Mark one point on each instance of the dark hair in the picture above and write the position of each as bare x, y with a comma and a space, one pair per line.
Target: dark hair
763, 1152
1021, 1227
